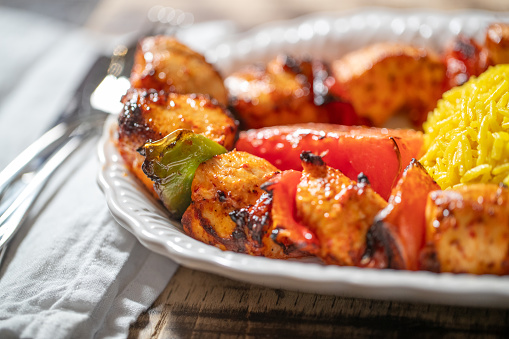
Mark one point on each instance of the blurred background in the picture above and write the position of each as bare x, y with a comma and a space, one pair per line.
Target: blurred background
117, 16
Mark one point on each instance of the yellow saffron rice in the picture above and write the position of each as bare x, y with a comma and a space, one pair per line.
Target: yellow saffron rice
467, 135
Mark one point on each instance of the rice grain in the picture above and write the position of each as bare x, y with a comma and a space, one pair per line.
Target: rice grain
467, 135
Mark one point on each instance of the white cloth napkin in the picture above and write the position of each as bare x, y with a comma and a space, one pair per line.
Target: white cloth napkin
72, 271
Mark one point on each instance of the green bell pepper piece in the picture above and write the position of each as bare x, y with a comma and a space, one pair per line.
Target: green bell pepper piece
171, 163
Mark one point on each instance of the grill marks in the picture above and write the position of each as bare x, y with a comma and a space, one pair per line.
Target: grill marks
286, 90
225, 189
253, 222
132, 122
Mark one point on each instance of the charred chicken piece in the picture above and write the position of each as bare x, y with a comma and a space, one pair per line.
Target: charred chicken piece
163, 63
271, 225
339, 210
497, 43
399, 229
222, 185
149, 115
286, 91
387, 78
467, 230
464, 58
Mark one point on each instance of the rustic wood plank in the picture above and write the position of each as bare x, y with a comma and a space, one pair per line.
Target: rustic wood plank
197, 305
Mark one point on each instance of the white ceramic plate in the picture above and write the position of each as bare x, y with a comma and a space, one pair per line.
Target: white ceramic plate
327, 36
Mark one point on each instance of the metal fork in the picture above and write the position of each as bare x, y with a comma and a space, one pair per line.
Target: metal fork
77, 123
82, 118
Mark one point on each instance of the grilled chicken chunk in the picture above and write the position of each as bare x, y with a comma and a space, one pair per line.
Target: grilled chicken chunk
163, 63
467, 230
339, 210
149, 115
222, 185
286, 91
385, 78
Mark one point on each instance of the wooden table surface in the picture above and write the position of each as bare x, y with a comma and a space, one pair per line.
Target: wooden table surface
202, 305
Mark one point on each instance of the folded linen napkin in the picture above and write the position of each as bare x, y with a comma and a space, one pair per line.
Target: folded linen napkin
72, 271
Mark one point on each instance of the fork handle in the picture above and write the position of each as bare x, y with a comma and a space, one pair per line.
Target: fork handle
14, 216
48, 141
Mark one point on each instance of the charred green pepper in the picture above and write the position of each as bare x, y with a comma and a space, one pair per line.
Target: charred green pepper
171, 164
